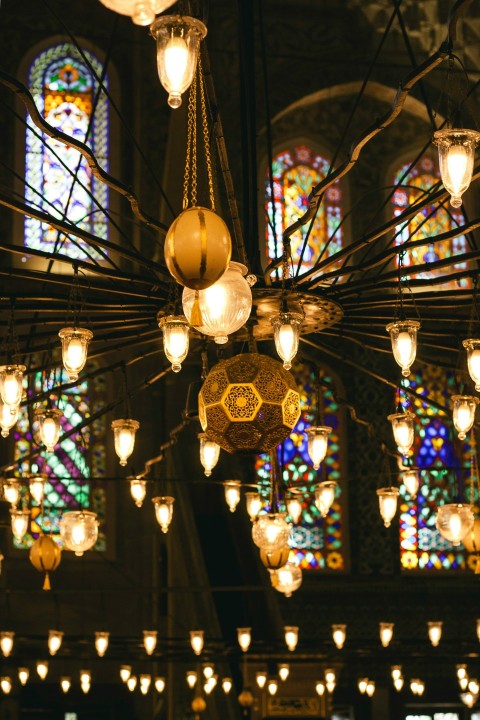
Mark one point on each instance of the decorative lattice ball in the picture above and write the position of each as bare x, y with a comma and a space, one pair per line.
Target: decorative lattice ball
248, 404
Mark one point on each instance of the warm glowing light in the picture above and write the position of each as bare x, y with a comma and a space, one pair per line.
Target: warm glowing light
11, 491
320, 688
387, 501
291, 636
208, 671
79, 530
254, 504
317, 438
403, 335
283, 671
362, 685
478, 628
175, 330
398, 683
473, 686
6, 643
160, 684
42, 669
370, 688
396, 671
330, 679
164, 511
74, 350
244, 637
124, 437
286, 333
191, 678
138, 490
286, 579
132, 683
23, 675
324, 496
472, 347
402, 426
386, 633
55, 638
145, 681
209, 453
125, 672
435, 632
150, 641
8, 417
270, 532
49, 426
101, 643
294, 508
456, 153
261, 678
36, 487
11, 385
454, 521
20, 520
464, 407
339, 634
272, 686
468, 698
411, 481
232, 493
85, 677
6, 685
462, 672
227, 685
210, 684
196, 641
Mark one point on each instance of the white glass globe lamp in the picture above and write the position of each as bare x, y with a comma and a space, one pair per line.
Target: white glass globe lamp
163, 511
387, 501
270, 532
403, 432
49, 426
286, 333
317, 439
456, 153
124, 438
75, 343
403, 335
79, 530
464, 407
225, 306
175, 331
472, 347
454, 521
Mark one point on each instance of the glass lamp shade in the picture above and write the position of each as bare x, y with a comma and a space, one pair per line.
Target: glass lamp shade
79, 530
254, 504
456, 153
396, 671
6, 643
132, 682
101, 643
370, 688
435, 632
472, 347
402, 426
244, 637
225, 306
464, 407
42, 669
178, 42
320, 688
227, 685
208, 670
11, 384
339, 635
232, 493
11, 491
398, 683
275, 560
330, 679
411, 481
160, 684
318, 443
8, 417
125, 672
49, 426
286, 333
124, 437
386, 633
362, 685
191, 678
270, 532
261, 678
324, 496
142, 12
55, 638
403, 335
209, 453
150, 641
468, 699
387, 501
473, 686
210, 684
138, 490
175, 330
286, 579
291, 637
85, 676
196, 641
145, 681
272, 686
463, 682
36, 487
294, 508
454, 521
20, 520
65, 684
75, 343
6, 684
462, 672
163, 511
283, 671
23, 675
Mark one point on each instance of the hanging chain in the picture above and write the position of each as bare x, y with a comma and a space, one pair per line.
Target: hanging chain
11, 346
191, 156
206, 134
474, 480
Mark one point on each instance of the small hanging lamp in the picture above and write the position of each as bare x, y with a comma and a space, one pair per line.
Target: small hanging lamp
42, 669
163, 511
339, 635
362, 685
286, 579
254, 504
55, 638
286, 333
65, 684
11, 384
75, 341
209, 453
403, 335
49, 426
23, 675
325, 496
6, 642
125, 672
132, 683
138, 490
456, 154
227, 684
11, 491
191, 677
232, 493
150, 641
320, 688
317, 436
435, 632
294, 508
45, 555
20, 520
160, 684
270, 532
244, 637
472, 347
142, 12
79, 530
272, 686
197, 641
175, 331
261, 678
275, 560
8, 417
145, 681
464, 407
454, 521
101, 642
36, 487
6, 684
330, 679
124, 436
411, 481
387, 500
386, 633
403, 431
283, 671
291, 636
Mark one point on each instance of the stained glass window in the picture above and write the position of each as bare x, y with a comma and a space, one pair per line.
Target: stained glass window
316, 543
75, 460
57, 177
429, 222
295, 172
421, 545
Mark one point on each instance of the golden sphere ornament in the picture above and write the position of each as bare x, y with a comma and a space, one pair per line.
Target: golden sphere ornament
198, 248
275, 560
45, 556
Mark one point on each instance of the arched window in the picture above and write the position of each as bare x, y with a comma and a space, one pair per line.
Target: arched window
444, 464
316, 543
296, 171
431, 221
57, 177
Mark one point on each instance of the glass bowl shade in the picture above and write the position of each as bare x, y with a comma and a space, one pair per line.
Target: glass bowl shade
178, 42
101, 643
74, 349
124, 437
454, 521
472, 347
318, 443
291, 636
403, 431
286, 579
175, 339
6, 642
209, 453
20, 520
197, 641
294, 508
324, 496
403, 335
8, 417
163, 511
49, 426
138, 490
339, 635
456, 154
286, 333
79, 530
142, 12
271, 532
36, 487
387, 501
11, 491
232, 493
411, 481
225, 306
254, 504
464, 407
11, 384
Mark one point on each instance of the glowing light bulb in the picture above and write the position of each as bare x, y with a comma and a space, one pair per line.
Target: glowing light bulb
138, 490
163, 511
101, 643
456, 152
318, 443
320, 688
411, 482
145, 682
464, 407
254, 504
55, 638
124, 436
294, 508
232, 493
176, 61
435, 632
42, 669
150, 641
272, 686
175, 331
6, 685
324, 496
191, 678
160, 684
65, 684
208, 671
209, 453
291, 637
386, 633
74, 350
403, 336
6, 643
8, 417
196, 641
261, 678
286, 330
132, 683
387, 500
227, 685
283, 671
244, 637
20, 520
23, 675
125, 672
339, 634
36, 486
396, 671
370, 688
403, 432
11, 384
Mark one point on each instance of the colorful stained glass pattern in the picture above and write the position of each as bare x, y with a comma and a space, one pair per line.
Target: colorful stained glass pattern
421, 545
57, 177
431, 221
69, 468
316, 542
296, 171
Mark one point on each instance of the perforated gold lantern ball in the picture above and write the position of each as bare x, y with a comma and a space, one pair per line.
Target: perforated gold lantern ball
45, 556
197, 248
275, 560
471, 541
248, 404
